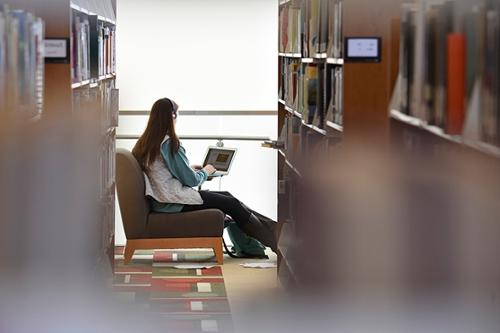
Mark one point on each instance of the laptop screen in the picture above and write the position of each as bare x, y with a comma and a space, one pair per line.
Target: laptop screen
220, 158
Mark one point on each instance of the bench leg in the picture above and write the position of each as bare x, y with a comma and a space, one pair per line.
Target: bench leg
219, 254
128, 254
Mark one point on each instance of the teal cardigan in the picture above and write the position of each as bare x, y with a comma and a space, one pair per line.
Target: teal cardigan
179, 167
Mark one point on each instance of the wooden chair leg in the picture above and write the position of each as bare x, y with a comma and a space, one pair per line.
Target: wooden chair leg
219, 254
128, 253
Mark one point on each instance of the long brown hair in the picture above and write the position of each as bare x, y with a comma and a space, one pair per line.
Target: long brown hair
160, 124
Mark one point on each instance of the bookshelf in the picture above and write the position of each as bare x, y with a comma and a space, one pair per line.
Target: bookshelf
93, 73
21, 63
449, 80
81, 85
325, 103
310, 108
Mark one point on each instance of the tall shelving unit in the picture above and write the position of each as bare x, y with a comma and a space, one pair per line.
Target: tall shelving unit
93, 84
310, 107
325, 103
82, 86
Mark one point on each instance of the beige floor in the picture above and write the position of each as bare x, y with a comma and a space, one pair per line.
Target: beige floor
246, 285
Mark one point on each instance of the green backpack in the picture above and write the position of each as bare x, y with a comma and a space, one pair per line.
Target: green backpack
244, 246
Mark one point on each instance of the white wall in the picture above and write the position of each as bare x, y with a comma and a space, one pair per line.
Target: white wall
209, 55
205, 54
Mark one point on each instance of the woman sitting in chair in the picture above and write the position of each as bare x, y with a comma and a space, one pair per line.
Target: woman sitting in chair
170, 179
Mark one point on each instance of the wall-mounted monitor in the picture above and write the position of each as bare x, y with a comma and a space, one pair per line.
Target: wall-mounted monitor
57, 50
363, 49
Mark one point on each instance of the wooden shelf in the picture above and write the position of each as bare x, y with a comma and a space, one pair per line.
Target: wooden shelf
321, 56
80, 9
331, 61
290, 164
297, 114
286, 242
334, 126
290, 55
315, 128
335, 61
35, 119
365, 91
105, 19
91, 13
92, 84
106, 77
80, 84
482, 147
293, 112
289, 109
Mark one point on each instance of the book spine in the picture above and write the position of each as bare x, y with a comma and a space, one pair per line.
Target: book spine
489, 108
456, 83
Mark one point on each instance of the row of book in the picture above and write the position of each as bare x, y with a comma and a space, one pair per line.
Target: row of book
21, 62
450, 66
315, 91
299, 145
93, 44
103, 98
80, 47
109, 103
311, 28
107, 167
291, 138
288, 196
107, 50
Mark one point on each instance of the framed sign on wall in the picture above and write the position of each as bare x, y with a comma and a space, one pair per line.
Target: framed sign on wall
363, 49
57, 50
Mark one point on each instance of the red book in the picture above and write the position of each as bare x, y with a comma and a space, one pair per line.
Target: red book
456, 83
285, 29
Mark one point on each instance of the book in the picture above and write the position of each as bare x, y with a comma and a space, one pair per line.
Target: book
283, 137
456, 83
314, 21
323, 26
339, 96
304, 28
406, 66
473, 37
319, 119
338, 40
301, 107
80, 45
490, 88
284, 28
312, 84
444, 27
430, 81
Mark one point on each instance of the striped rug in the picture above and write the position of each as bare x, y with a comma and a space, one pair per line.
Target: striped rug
190, 300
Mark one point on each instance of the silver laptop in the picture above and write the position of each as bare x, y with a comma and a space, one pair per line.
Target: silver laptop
221, 158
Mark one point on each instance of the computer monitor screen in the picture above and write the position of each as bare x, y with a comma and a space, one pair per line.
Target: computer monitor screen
363, 49
220, 158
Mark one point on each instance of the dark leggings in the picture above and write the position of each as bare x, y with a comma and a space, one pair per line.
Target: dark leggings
227, 203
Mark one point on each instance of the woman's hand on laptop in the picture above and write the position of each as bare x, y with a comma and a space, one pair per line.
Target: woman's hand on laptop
210, 170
